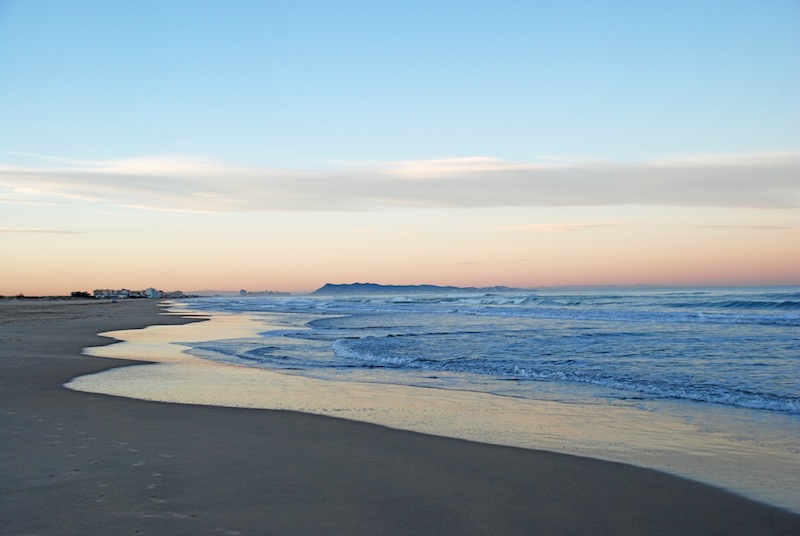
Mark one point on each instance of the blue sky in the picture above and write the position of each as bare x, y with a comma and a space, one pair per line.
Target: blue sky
453, 141
310, 84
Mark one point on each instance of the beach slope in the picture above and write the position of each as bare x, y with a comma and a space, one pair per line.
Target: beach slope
82, 463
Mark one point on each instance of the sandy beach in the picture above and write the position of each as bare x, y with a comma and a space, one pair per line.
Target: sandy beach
84, 463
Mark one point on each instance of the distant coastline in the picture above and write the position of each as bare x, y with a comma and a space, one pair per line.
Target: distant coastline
331, 289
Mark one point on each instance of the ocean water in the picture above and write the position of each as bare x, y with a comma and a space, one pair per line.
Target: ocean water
708, 350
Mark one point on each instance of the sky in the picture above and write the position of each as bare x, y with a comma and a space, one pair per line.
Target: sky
282, 145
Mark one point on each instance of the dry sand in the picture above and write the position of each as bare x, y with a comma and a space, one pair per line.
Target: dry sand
81, 463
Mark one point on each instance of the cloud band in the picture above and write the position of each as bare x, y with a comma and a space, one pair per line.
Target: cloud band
767, 180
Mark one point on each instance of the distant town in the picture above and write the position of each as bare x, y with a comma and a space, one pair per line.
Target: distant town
148, 293
155, 294
124, 294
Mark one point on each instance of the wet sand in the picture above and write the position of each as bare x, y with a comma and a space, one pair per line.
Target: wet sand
83, 463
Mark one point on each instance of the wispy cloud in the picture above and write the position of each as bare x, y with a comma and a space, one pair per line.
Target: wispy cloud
563, 227
7, 230
762, 180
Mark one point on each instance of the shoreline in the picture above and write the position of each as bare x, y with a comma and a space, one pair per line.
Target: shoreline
704, 448
93, 464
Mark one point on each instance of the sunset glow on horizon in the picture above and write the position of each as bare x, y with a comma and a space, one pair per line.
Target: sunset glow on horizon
270, 146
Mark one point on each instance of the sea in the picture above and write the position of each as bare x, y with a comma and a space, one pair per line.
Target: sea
733, 348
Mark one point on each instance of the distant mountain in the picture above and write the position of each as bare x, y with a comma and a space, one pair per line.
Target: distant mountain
373, 288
